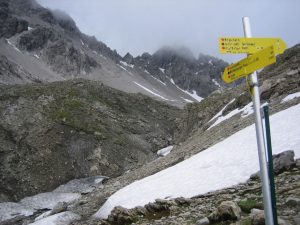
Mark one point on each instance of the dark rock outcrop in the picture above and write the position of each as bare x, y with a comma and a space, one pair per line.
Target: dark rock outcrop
66, 59
10, 24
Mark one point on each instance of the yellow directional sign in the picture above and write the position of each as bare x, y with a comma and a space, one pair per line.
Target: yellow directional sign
237, 45
250, 64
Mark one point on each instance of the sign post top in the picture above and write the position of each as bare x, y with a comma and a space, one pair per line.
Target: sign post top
238, 45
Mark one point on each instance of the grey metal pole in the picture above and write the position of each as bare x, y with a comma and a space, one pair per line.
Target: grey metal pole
260, 137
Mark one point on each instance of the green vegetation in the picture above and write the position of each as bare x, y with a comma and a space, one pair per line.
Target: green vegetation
247, 205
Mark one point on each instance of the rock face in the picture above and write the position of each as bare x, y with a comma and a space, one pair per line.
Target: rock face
10, 25
50, 134
179, 64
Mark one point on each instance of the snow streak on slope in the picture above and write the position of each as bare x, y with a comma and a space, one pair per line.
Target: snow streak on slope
227, 163
291, 97
151, 91
193, 95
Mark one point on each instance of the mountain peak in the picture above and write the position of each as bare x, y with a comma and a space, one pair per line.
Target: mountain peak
177, 51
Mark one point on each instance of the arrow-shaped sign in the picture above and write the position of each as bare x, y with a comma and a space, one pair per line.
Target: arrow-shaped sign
237, 45
250, 64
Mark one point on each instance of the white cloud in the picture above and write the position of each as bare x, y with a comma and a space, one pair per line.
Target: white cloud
138, 25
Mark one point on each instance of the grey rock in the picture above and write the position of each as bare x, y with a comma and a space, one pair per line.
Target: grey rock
283, 161
293, 202
283, 222
258, 217
227, 210
204, 221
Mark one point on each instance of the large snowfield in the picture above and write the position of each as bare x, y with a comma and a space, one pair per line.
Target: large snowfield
227, 163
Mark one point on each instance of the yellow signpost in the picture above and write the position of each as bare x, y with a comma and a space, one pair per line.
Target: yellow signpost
250, 64
261, 52
237, 45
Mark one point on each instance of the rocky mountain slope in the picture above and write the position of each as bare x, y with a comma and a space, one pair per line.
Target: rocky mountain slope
47, 46
191, 135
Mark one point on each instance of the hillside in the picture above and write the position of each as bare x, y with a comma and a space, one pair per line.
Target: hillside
38, 45
76, 129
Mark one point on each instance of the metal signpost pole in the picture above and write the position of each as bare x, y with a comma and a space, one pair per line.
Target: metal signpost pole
260, 137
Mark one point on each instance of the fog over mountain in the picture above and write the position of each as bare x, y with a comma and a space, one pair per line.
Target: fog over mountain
138, 26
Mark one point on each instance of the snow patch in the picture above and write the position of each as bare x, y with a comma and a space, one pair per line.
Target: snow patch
194, 95
82, 43
83, 185
48, 200
246, 111
151, 91
210, 62
187, 100
58, 219
36, 56
221, 112
146, 71
216, 83
9, 210
290, 97
227, 163
162, 70
126, 64
30, 28
165, 151
172, 81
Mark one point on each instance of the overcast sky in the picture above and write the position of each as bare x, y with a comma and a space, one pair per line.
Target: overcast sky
138, 26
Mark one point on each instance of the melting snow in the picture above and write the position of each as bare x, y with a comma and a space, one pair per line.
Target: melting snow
58, 219
227, 163
10, 210
290, 97
29, 205
151, 91
165, 151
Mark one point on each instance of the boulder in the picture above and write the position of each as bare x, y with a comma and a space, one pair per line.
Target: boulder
258, 217
283, 161
227, 210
